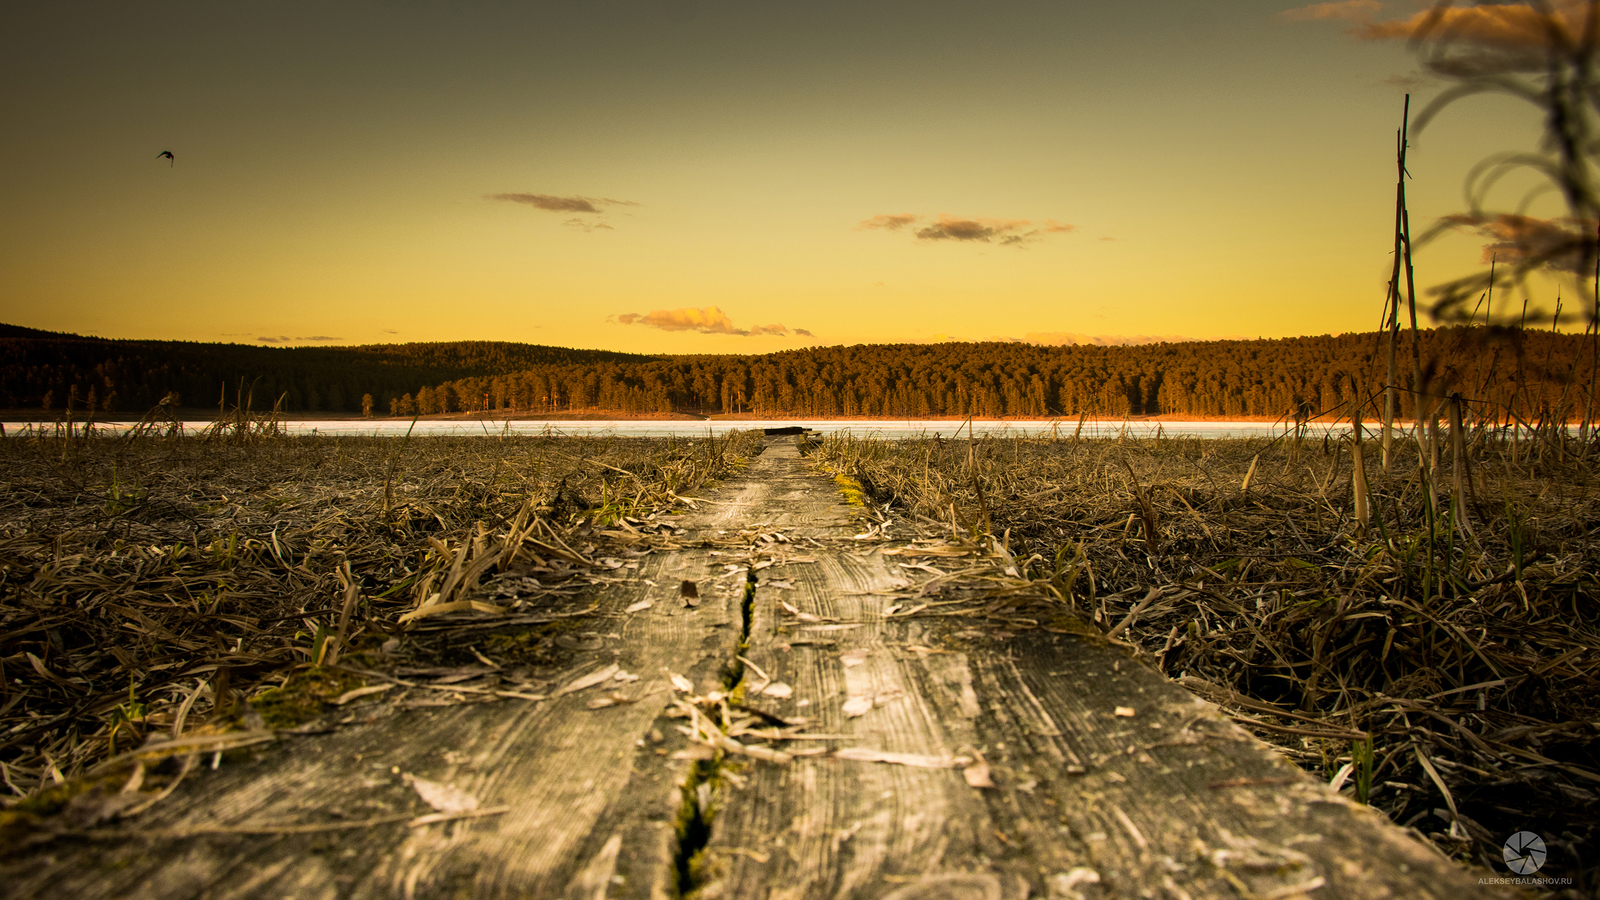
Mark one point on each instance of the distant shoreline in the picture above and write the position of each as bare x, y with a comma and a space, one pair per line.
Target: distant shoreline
22, 416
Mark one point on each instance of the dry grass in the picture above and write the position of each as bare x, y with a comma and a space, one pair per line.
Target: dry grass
1442, 662
156, 582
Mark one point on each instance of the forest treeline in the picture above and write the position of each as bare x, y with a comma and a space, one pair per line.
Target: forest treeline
1534, 371
46, 370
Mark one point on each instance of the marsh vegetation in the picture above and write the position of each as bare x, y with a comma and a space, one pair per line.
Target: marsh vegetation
163, 585
1426, 636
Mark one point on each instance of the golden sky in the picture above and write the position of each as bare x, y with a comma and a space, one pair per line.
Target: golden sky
716, 177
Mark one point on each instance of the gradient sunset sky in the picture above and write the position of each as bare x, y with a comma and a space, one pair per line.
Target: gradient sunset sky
716, 177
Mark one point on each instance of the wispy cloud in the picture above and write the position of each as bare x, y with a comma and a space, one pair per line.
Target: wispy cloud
285, 339
551, 203
546, 201
1513, 239
890, 222
1361, 11
1508, 26
1008, 232
955, 228
561, 204
1502, 26
704, 320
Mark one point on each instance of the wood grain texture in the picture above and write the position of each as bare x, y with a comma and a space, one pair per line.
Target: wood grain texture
576, 783
1171, 801
951, 756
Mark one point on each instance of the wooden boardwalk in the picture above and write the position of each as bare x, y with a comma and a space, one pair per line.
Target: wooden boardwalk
832, 718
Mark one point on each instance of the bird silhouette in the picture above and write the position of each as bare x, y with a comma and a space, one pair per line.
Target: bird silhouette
168, 155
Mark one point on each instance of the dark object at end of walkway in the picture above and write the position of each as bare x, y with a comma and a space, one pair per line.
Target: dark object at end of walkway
787, 429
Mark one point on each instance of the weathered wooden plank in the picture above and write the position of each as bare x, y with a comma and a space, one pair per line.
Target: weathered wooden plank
962, 757
577, 783
1086, 800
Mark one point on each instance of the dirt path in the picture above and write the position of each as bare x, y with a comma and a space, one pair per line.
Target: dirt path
938, 740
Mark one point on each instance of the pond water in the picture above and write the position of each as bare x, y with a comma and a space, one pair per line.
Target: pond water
887, 429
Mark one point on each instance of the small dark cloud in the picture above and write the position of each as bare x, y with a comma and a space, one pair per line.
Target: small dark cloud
803, 332
581, 225
893, 222
1497, 26
388, 331
551, 203
951, 228
285, 339
1524, 240
1501, 26
1008, 232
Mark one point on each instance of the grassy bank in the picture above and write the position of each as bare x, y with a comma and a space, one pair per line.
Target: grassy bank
151, 583
1431, 643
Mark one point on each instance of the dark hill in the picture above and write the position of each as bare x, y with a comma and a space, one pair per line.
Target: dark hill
133, 375
1533, 373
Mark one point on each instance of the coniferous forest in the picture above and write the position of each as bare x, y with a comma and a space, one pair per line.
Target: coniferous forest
1533, 370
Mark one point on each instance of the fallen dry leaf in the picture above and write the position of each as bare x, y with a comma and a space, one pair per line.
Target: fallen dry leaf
1125, 711
857, 706
443, 797
977, 775
591, 679
435, 818
367, 691
792, 610
641, 606
779, 690
917, 760
681, 683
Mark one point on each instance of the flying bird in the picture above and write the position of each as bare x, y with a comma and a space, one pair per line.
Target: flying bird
168, 155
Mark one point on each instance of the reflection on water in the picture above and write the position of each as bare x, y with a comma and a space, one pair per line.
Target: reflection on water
1063, 428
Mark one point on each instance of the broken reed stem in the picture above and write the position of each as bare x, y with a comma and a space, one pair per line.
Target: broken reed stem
1391, 318
1358, 468
1459, 463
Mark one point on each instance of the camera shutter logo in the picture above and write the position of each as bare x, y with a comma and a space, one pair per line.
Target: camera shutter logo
1524, 852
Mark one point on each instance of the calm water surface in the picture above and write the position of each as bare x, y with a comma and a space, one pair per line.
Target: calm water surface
888, 429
